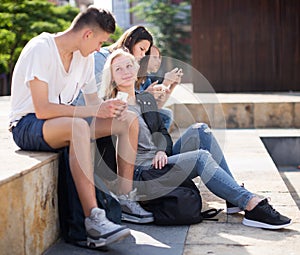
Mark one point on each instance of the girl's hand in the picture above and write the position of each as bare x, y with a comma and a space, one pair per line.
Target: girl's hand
160, 160
150, 88
174, 76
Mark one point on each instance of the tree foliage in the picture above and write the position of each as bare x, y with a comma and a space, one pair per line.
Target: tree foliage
169, 22
21, 20
114, 37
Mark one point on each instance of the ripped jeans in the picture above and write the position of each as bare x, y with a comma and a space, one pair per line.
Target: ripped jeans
198, 153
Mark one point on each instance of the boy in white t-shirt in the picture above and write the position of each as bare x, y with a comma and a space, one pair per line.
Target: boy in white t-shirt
48, 76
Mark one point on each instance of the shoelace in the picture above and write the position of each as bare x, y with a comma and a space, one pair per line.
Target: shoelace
131, 199
269, 208
96, 217
136, 206
103, 222
132, 195
108, 224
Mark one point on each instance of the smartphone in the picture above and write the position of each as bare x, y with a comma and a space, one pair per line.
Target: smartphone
179, 71
122, 96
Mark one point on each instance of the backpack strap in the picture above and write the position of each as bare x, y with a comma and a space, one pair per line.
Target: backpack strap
210, 213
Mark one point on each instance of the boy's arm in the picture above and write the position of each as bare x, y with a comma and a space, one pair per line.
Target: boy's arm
92, 99
47, 110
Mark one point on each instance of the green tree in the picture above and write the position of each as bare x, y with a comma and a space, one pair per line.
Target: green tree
169, 22
114, 37
21, 20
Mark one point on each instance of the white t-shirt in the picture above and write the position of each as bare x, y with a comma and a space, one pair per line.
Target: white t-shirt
40, 58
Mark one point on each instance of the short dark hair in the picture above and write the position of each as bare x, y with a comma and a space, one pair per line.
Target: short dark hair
96, 18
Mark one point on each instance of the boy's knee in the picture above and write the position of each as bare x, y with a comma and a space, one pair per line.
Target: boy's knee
80, 125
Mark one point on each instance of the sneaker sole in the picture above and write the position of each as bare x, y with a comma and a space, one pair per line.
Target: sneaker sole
133, 219
233, 210
93, 243
257, 224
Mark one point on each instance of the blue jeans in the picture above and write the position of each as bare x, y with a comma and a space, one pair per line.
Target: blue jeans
166, 115
198, 153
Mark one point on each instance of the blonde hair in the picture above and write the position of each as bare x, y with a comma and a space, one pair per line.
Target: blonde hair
108, 85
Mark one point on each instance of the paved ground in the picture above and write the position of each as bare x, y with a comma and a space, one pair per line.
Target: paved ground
144, 239
250, 164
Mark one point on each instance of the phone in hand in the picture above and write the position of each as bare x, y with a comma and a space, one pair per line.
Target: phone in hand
122, 96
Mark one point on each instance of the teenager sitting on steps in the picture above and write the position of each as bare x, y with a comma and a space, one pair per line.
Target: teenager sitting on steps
161, 92
48, 76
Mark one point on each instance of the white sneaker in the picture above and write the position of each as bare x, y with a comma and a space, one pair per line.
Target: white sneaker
132, 211
101, 231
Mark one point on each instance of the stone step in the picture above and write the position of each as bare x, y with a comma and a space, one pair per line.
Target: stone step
28, 202
272, 110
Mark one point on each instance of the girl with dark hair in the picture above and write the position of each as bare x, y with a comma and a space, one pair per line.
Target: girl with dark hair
137, 40
149, 65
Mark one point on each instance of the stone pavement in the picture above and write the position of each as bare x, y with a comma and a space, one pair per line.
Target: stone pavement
144, 240
246, 155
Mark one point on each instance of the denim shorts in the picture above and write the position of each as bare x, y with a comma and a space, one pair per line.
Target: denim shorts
28, 134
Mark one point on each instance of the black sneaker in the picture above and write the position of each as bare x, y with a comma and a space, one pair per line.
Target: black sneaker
265, 216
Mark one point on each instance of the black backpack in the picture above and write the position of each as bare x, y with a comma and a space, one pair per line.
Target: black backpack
71, 214
179, 204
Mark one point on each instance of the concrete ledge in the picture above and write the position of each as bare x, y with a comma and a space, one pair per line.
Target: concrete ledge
28, 202
248, 110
